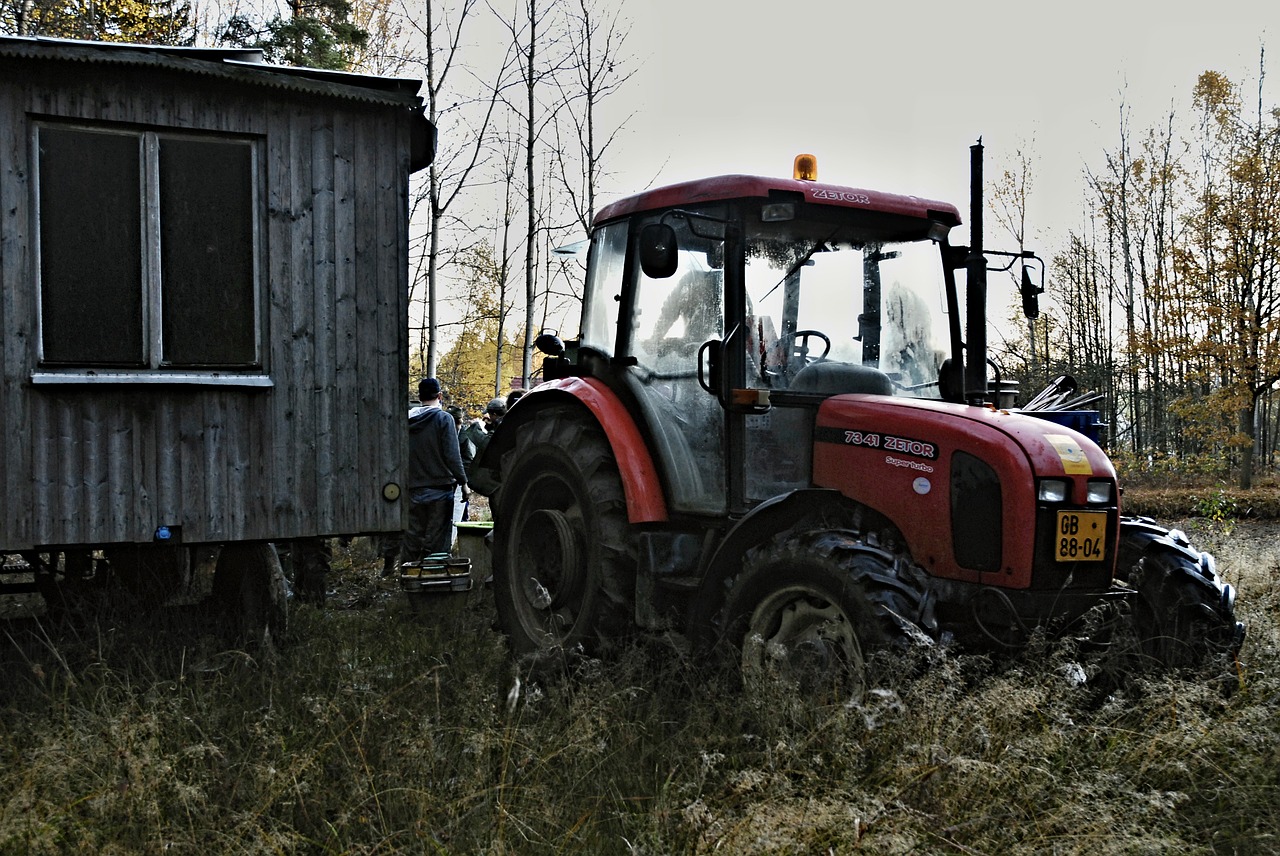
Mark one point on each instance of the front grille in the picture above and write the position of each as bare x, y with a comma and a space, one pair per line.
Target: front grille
977, 532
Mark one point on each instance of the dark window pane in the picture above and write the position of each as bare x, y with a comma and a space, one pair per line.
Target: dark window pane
206, 250
90, 248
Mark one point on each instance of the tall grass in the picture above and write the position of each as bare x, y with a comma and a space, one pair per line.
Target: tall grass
385, 729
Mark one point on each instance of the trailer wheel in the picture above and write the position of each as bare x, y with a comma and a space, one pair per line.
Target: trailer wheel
564, 563
249, 587
63, 578
809, 609
1184, 614
310, 560
150, 573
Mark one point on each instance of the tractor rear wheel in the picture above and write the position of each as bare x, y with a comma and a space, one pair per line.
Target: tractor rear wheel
810, 608
1184, 614
564, 558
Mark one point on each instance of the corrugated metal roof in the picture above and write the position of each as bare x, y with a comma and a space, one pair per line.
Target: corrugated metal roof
243, 64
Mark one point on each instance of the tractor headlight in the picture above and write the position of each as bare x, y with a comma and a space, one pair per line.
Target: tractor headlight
1053, 490
1098, 492
778, 212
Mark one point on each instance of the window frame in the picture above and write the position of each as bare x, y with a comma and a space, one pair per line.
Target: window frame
154, 368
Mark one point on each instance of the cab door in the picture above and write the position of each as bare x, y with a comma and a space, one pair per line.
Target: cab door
676, 319
800, 296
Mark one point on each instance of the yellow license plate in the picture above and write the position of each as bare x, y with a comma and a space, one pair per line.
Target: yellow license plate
1081, 536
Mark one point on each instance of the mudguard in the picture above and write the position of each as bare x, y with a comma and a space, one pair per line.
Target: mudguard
645, 500
765, 520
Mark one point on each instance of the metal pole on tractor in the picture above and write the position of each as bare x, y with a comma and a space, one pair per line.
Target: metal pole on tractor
975, 372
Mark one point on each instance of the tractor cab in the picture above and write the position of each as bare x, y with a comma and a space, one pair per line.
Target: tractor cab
730, 308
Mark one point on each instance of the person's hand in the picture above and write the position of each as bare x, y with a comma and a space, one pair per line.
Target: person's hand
466, 493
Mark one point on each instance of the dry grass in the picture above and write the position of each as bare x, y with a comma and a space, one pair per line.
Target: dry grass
380, 729
1169, 495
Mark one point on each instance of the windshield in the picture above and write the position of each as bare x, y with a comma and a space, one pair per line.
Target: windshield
821, 291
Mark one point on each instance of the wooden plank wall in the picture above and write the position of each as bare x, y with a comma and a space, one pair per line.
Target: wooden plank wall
101, 464
14, 237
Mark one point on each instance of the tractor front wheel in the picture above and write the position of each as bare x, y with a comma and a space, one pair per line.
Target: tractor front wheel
808, 610
1184, 614
564, 559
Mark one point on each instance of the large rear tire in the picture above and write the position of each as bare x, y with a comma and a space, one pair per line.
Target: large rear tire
809, 609
564, 558
1184, 614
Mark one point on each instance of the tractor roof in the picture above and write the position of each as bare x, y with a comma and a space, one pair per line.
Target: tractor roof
725, 187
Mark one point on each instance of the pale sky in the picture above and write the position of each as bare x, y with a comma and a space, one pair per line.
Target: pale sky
890, 95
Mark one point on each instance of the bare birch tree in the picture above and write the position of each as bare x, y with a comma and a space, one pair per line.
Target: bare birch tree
460, 152
538, 44
598, 68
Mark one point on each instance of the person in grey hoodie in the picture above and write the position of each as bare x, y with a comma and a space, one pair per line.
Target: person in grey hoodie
435, 472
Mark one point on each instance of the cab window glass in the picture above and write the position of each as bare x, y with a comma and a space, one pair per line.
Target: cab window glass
675, 315
600, 310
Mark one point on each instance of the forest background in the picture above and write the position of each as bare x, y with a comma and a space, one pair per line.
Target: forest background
1164, 296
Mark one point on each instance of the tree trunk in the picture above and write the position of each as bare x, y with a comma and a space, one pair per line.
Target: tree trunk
1246, 453
531, 238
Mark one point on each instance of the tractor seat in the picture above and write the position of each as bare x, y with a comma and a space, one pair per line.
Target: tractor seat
832, 377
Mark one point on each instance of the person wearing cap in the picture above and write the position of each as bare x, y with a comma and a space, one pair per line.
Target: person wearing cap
478, 434
493, 413
435, 473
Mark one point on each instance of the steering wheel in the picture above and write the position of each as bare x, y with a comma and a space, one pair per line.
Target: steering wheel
796, 345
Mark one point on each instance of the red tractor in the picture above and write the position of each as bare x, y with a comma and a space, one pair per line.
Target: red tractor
776, 431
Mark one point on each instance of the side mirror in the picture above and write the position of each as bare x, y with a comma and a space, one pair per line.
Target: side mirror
658, 251
549, 343
709, 366
715, 256
951, 380
1030, 292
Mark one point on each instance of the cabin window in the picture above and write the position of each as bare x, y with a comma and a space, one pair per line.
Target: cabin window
148, 250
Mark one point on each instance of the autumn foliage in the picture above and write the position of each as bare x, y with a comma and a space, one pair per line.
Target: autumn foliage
1167, 298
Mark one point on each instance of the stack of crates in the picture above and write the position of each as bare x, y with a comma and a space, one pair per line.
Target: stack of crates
438, 572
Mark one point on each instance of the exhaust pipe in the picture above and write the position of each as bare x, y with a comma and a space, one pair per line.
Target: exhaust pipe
975, 361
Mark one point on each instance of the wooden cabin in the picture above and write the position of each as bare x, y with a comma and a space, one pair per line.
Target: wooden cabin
204, 263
